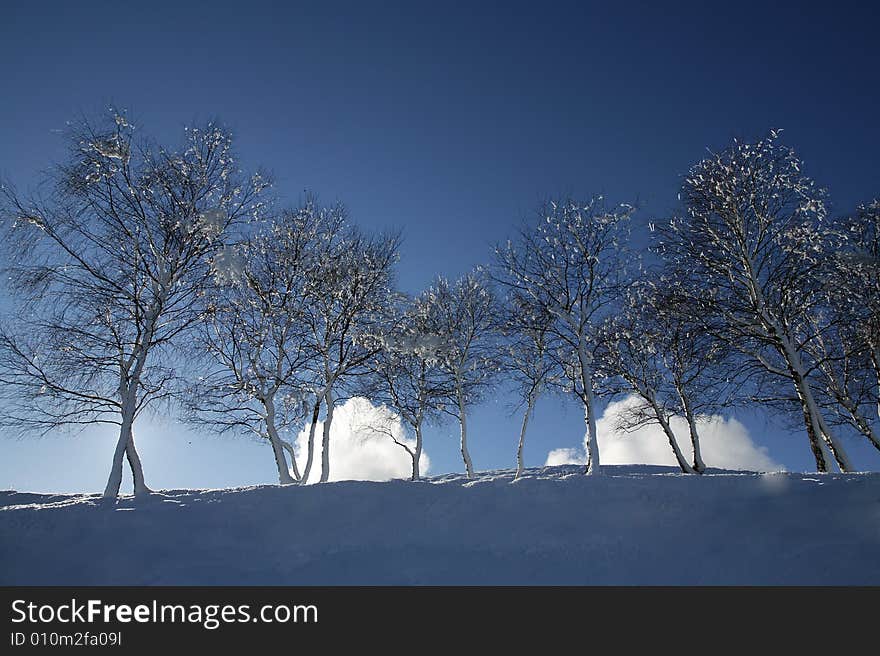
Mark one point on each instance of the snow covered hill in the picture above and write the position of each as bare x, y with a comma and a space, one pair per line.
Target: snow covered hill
633, 525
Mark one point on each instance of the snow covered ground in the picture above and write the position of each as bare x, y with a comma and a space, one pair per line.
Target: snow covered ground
633, 525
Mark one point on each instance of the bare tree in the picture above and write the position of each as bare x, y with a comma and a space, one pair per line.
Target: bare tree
525, 358
570, 264
844, 378
462, 313
631, 353
658, 352
257, 345
109, 261
846, 351
749, 248
860, 278
701, 368
347, 298
408, 378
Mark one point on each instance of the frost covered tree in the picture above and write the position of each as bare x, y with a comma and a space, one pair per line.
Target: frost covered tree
462, 313
749, 249
108, 262
570, 264
843, 375
631, 353
860, 279
654, 350
258, 349
701, 369
350, 289
407, 375
524, 357
846, 350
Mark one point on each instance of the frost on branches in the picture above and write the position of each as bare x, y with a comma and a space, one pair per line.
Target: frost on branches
145, 274
750, 250
653, 349
109, 267
407, 374
462, 315
846, 348
346, 303
257, 353
569, 264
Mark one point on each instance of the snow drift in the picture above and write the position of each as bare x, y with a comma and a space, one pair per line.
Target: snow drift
634, 525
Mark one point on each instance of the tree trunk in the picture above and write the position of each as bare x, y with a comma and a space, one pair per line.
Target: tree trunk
699, 465
875, 361
522, 438
820, 453
125, 448
836, 446
819, 434
111, 490
817, 431
310, 453
673, 443
325, 439
462, 420
137, 470
591, 439
417, 454
129, 383
816, 445
284, 477
294, 470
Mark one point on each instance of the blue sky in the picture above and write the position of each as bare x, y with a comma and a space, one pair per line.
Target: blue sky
449, 121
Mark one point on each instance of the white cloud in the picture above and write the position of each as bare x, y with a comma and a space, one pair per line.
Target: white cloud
359, 449
565, 457
725, 443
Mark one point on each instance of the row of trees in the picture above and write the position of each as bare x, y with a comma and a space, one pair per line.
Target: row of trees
143, 275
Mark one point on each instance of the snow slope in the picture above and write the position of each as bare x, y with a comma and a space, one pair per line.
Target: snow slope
634, 525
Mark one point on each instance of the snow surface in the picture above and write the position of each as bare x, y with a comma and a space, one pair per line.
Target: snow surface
634, 525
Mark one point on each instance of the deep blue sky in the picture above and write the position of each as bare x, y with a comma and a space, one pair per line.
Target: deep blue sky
450, 121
